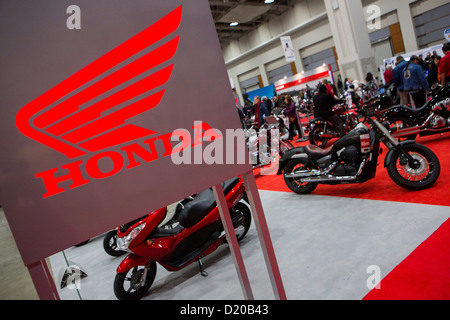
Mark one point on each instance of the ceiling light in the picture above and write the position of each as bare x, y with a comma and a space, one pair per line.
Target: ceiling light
234, 24
269, 1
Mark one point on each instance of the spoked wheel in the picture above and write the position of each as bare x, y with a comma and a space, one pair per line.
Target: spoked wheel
420, 174
398, 123
316, 136
242, 218
110, 244
294, 184
134, 284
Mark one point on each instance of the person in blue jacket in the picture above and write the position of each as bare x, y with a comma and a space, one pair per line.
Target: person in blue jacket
398, 80
416, 82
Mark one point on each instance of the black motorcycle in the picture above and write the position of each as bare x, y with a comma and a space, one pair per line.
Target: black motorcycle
432, 118
383, 101
353, 159
322, 131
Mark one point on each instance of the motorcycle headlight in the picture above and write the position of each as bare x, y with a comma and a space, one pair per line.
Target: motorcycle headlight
124, 242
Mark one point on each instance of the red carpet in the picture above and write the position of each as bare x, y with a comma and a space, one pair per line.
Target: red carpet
425, 273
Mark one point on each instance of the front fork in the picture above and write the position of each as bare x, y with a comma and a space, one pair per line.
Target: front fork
132, 261
413, 163
396, 146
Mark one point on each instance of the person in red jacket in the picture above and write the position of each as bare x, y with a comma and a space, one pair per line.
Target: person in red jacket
388, 75
444, 65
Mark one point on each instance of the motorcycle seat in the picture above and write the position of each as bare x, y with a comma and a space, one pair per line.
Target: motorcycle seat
195, 210
317, 153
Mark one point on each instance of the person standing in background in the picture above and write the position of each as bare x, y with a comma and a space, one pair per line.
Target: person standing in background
433, 75
290, 113
444, 66
398, 80
388, 75
260, 111
415, 82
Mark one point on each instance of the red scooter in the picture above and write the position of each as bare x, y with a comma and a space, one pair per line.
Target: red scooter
193, 233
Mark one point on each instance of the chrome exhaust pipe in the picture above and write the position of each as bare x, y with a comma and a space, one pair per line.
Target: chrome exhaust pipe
313, 177
313, 173
329, 178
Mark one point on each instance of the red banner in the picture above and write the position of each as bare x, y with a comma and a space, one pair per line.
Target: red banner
302, 81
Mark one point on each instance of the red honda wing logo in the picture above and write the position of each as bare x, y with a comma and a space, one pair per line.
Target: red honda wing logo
96, 116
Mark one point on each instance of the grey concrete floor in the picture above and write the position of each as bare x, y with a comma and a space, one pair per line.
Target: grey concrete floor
14, 277
324, 247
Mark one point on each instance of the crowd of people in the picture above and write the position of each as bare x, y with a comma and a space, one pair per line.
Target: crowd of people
413, 80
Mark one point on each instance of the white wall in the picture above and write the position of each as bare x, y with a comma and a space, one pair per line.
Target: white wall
307, 24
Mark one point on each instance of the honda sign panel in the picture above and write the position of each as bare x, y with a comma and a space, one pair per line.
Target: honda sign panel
110, 110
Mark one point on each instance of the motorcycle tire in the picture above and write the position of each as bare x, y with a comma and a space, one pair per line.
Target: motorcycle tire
110, 244
315, 137
423, 177
242, 218
404, 123
135, 291
292, 183
82, 243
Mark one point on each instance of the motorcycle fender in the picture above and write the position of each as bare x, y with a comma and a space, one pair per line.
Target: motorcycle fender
391, 152
130, 262
292, 154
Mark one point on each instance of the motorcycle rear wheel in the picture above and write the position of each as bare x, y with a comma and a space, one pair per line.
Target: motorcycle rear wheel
423, 176
315, 137
135, 290
295, 185
400, 122
110, 244
242, 218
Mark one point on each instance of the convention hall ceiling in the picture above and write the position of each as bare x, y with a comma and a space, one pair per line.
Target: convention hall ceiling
247, 14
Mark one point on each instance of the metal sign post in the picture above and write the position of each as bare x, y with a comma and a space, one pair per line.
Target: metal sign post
232, 241
264, 235
43, 281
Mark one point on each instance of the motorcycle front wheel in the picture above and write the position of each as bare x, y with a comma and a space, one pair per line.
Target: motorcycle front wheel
294, 184
130, 285
421, 174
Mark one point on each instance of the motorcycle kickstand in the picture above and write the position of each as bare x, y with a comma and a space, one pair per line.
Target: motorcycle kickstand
202, 271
